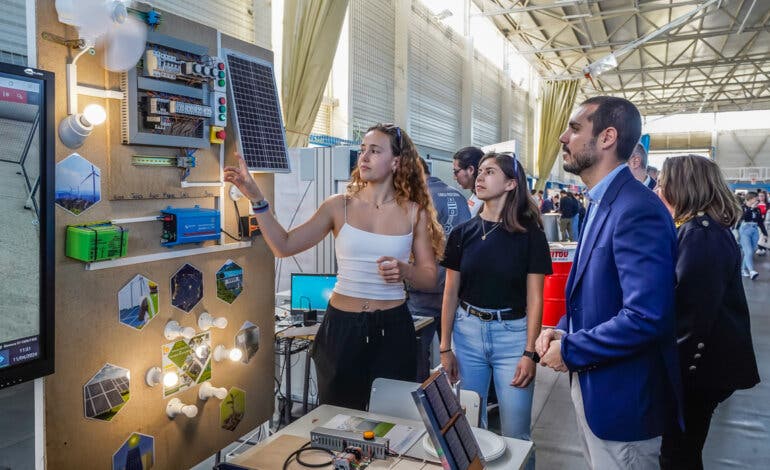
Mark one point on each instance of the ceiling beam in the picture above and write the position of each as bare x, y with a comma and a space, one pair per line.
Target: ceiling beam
663, 40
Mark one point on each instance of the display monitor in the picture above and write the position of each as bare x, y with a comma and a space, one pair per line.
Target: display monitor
27, 230
311, 291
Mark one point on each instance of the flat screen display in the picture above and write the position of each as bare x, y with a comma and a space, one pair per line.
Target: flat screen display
311, 291
26, 231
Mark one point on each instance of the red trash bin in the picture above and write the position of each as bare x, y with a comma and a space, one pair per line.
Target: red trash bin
554, 302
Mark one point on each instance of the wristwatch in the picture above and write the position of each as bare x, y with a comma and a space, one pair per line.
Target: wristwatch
532, 355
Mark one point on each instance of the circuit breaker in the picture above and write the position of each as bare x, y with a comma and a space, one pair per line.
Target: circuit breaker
175, 95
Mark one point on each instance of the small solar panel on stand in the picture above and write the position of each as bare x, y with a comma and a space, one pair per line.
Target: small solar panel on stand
256, 113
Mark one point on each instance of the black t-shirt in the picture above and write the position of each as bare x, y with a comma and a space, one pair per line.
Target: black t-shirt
493, 272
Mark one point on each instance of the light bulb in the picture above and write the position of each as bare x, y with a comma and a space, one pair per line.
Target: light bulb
94, 114
221, 353
170, 379
235, 354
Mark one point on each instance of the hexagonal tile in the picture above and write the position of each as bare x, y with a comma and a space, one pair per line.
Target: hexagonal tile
186, 288
232, 409
229, 281
78, 184
138, 302
137, 452
247, 340
106, 393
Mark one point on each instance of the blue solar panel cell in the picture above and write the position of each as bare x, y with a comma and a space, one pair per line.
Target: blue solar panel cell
257, 119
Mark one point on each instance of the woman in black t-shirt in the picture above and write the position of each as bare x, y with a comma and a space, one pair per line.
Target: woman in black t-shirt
493, 296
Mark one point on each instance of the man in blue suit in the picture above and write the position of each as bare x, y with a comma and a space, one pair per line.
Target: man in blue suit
617, 339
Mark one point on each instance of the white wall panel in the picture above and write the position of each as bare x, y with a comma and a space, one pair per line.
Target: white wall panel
247, 20
372, 30
435, 83
487, 99
520, 129
13, 32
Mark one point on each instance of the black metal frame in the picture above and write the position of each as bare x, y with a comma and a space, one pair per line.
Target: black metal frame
44, 364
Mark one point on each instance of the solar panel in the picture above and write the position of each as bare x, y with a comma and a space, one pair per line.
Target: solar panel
447, 425
256, 113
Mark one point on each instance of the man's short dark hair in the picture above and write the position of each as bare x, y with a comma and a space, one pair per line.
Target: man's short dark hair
468, 156
640, 150
425, 166
620, 114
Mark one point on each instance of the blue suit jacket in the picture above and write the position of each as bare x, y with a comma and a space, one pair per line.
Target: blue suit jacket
620, 298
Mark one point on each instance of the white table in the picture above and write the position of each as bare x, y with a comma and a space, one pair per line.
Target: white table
516, 453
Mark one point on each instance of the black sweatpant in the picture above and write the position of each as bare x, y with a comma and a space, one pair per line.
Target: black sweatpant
681, 450
351, 349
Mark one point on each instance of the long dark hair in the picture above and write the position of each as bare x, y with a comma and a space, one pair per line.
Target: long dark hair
520, 212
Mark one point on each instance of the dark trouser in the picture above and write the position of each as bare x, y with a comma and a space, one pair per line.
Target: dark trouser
682, 450
351, 349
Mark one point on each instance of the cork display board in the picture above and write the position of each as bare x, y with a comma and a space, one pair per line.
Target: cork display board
96, 343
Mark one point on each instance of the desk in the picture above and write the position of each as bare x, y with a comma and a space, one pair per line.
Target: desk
516, 453
308, 333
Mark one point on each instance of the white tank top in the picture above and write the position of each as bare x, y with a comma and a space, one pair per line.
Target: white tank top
357, 254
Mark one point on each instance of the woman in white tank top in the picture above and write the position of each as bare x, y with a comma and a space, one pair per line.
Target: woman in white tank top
386, 232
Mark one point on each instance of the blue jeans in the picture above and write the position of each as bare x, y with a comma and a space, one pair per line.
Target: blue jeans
749, 237
575, 227
487, 348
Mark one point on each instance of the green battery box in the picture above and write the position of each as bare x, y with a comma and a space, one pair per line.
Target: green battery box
96, 241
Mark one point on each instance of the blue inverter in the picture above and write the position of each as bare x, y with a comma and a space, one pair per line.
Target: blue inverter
189, 225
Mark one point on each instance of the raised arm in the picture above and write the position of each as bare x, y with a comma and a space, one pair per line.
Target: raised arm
281, 242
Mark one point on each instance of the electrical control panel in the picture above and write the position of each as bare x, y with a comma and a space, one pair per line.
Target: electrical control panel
189, 225
174, 95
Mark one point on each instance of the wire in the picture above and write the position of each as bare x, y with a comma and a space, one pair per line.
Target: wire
291, 222
305, 448
231, 236
238, 218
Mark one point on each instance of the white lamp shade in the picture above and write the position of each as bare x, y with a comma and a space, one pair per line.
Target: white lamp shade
73, 130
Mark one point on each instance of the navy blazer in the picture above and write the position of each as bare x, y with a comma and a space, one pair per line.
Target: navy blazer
713, 326
620, 299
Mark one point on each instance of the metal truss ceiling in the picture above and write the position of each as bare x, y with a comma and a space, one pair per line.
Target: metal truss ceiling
718, 60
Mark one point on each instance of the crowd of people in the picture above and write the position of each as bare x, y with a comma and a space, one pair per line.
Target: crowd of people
655, 332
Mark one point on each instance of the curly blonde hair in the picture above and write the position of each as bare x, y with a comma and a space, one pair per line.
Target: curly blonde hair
408, 180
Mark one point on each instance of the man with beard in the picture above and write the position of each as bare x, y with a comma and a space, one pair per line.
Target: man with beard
617, 339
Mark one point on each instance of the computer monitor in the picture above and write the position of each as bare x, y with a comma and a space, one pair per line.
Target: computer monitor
311, 291
27, 133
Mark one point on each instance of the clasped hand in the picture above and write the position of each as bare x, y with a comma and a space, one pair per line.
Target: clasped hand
548, 347
390, 269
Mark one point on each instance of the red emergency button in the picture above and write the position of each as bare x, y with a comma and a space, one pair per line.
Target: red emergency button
221, 135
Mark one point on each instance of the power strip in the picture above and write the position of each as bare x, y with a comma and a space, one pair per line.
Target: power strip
337, 440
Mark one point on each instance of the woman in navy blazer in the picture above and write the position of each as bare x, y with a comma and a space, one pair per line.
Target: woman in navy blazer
712, 316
